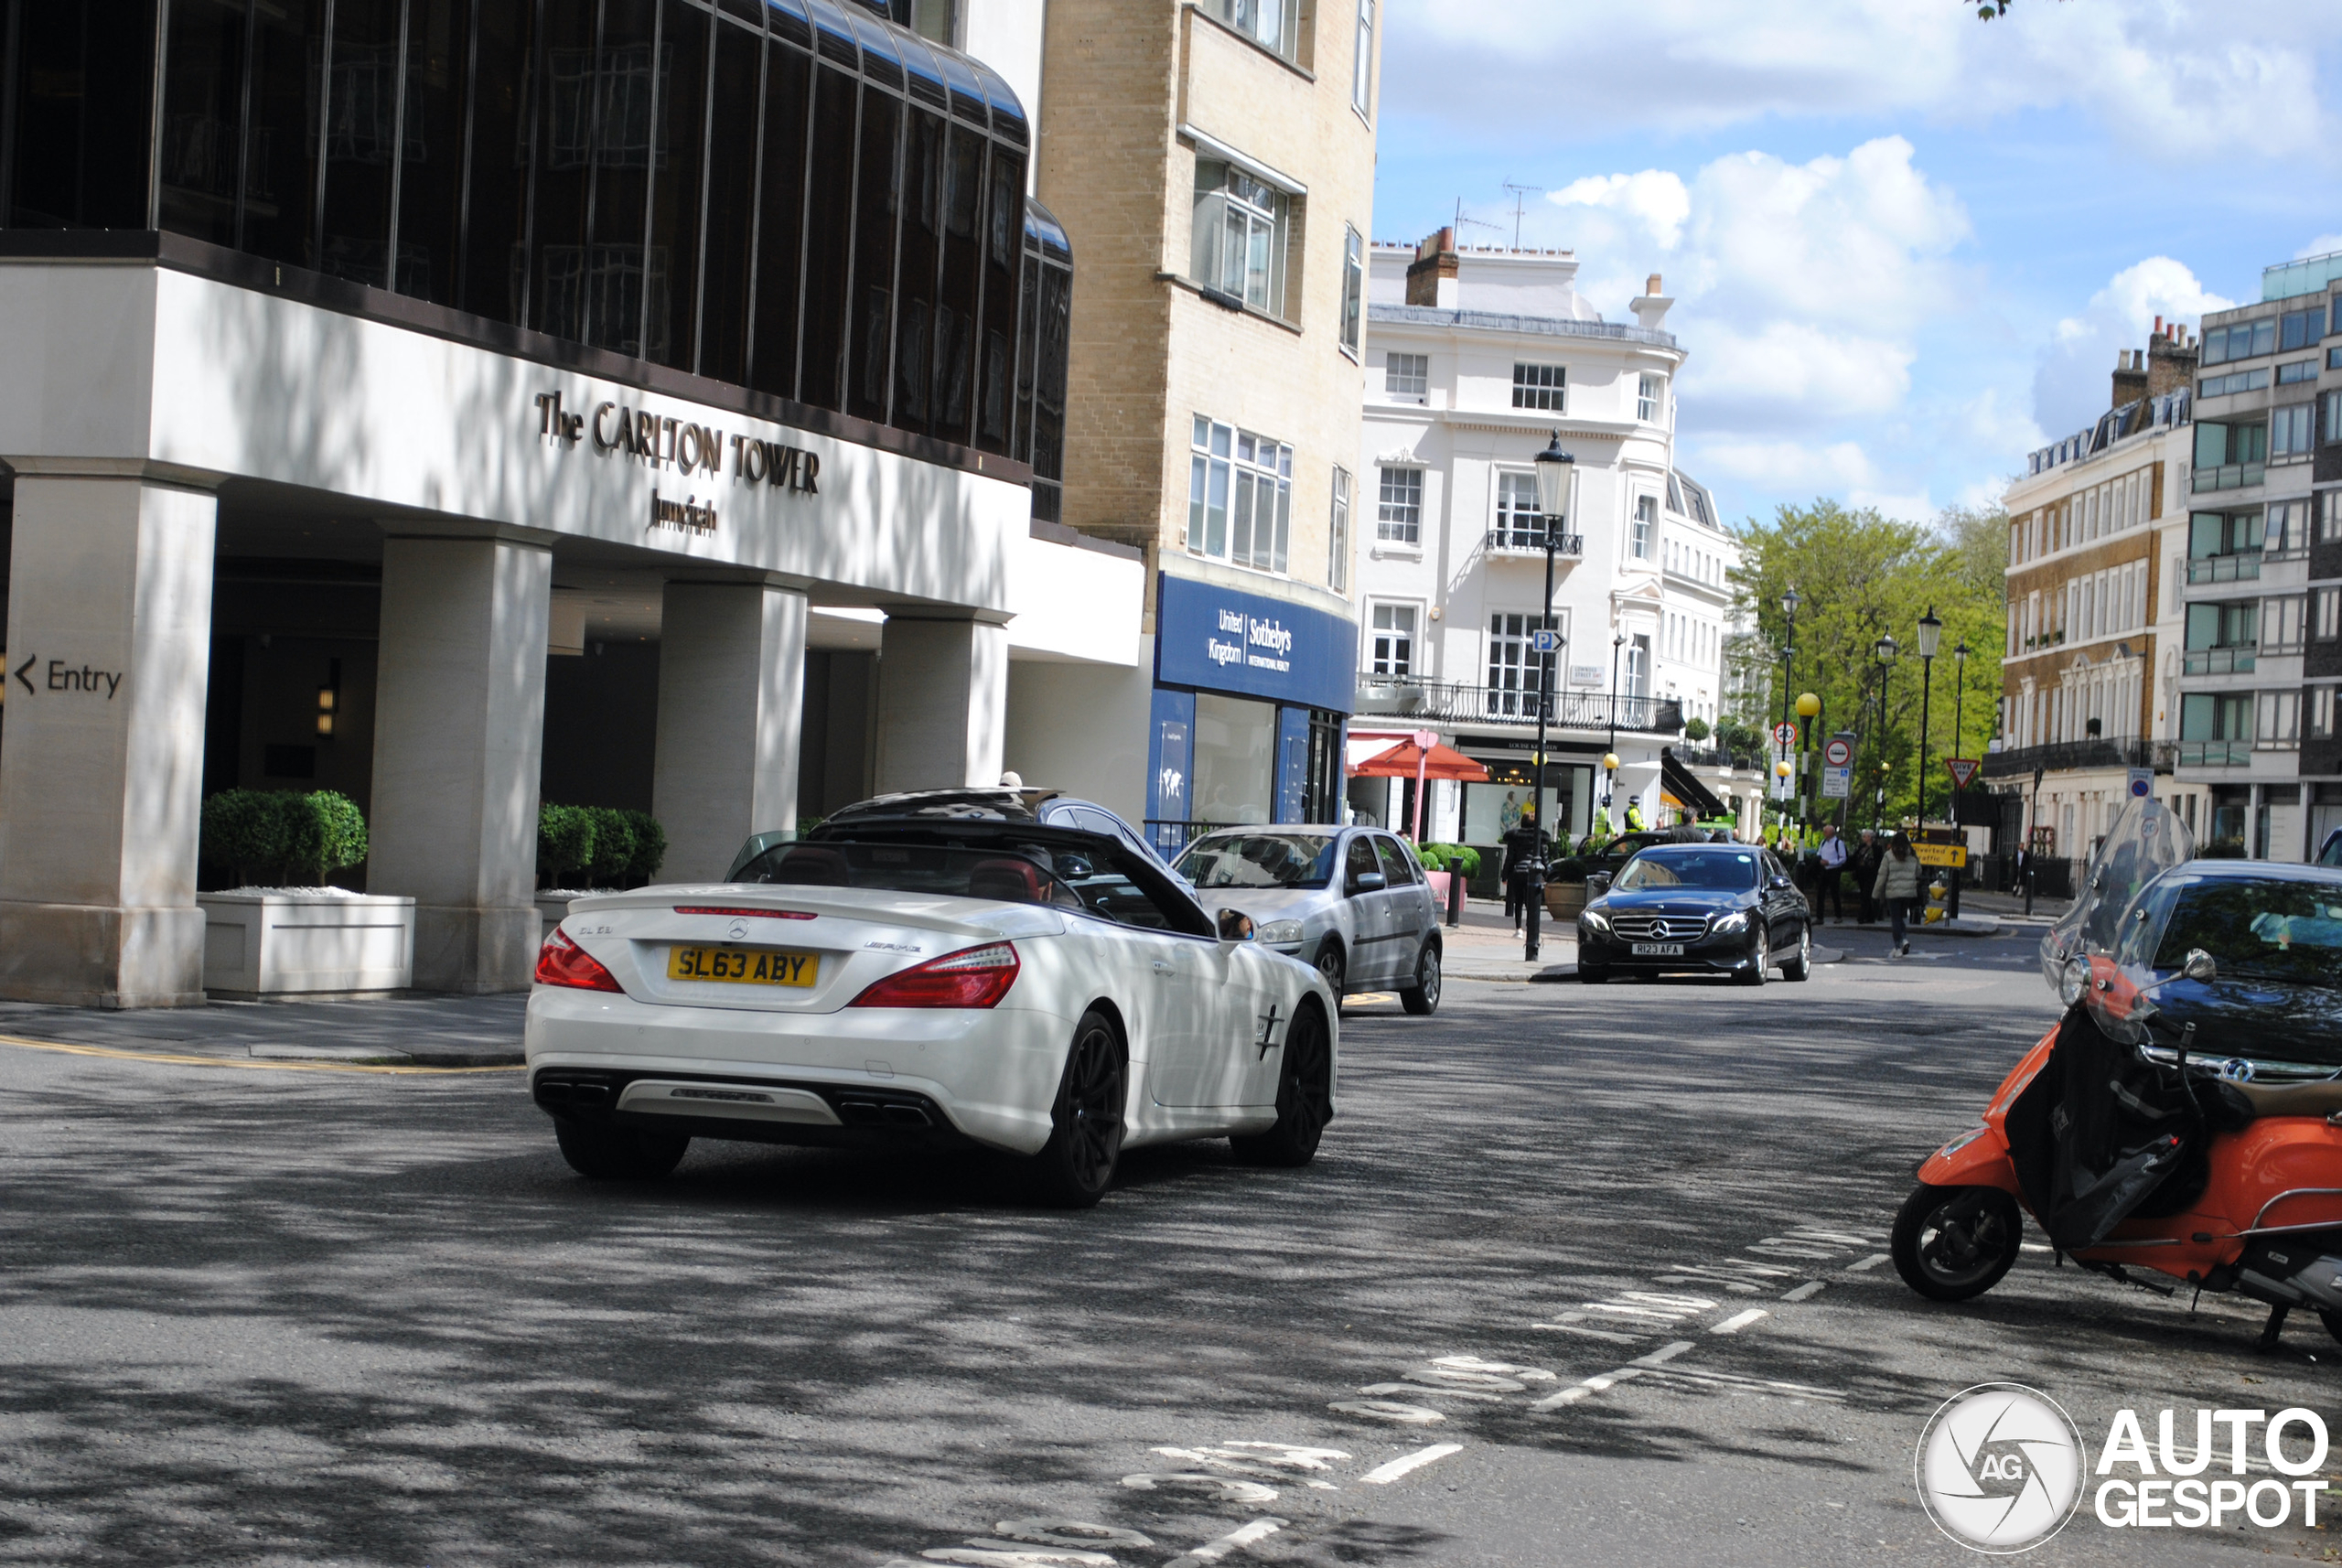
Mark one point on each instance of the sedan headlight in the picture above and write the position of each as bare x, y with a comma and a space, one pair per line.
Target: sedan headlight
1277, 931
1735, 921
1595, 920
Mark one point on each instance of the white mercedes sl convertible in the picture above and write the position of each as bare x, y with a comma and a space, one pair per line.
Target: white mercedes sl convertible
938, 968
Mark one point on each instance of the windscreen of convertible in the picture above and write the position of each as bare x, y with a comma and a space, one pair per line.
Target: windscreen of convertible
1720, 870
1015, 865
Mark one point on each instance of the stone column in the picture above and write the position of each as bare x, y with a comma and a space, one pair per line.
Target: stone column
459, 739
101, 771
942, 704
731, 715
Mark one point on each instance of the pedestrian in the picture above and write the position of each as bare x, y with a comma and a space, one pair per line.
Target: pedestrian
1863, 864
1524, 847
1635, 822
1897, 887
1831, 884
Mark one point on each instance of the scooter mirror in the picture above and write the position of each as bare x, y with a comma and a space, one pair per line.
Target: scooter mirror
2200, 966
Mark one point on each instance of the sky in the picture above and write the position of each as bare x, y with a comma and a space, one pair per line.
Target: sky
1905, 245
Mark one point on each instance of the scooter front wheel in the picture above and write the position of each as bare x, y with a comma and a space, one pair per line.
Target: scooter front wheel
1951, 1243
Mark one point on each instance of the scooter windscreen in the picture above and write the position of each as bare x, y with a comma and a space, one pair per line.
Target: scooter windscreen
2145, 841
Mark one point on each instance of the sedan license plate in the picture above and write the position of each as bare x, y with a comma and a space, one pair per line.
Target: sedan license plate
1659, 949
743, 966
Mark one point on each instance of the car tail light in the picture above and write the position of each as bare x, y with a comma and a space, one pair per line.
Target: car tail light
751, 914
562, 963
976, 977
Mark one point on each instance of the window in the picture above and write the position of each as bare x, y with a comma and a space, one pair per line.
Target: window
2299, 328
2325, 614
2287, 530
2329, 517
1515, 674
1362, 61
1406, 375
2333, 414
2234, 381
2319, 722
1637, 670
2334, 358
932, 20
1644, 526
1646, 399
1274, 25
1240, 497
2281, 624
1241, 231
1353, 289
2299, 370
1401, 518
1518, 525
1539, 386
1393, 644
2288, 430
2279, 726
1338, 544
2244, 341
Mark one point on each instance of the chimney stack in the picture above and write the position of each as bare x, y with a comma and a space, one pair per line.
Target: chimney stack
1652, 286
2171, 360
1433, 271
2129, 376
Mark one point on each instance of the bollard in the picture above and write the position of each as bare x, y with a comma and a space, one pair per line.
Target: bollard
1454, 897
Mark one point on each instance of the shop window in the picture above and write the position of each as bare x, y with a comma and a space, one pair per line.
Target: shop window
1399, 519
1240, 497
1242, 226
1234, 760
1391, 644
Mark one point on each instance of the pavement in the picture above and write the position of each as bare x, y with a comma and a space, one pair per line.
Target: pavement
1581, 1275
411, 1030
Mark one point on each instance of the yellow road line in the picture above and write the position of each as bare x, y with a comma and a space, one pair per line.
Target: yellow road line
183, 1060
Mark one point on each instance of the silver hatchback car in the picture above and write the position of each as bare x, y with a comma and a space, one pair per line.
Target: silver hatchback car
1352, 901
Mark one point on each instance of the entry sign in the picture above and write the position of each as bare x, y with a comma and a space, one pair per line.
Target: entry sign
1785, 734
1964, 770
2143, 783
1545, 639
1838, 751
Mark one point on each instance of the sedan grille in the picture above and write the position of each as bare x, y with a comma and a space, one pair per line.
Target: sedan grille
1659, 928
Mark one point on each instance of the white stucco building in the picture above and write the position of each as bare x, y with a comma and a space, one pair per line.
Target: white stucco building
1475, 360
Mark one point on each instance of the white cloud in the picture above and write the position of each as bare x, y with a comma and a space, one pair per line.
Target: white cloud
1785, 465
1793, 372
2324, 245
2184, 80
2074, 383
1655, 199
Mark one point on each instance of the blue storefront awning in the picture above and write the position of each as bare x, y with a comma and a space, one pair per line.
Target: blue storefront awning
1223, 639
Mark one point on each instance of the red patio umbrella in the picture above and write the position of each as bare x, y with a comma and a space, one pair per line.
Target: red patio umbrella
1416, 760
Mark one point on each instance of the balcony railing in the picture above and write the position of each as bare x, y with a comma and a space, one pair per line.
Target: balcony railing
2218, 661
2058, 756
2228, 476
2214, 753
1455, 702
1531, 542
2241, 567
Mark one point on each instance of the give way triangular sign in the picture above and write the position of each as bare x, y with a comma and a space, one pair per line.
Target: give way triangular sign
1964, 768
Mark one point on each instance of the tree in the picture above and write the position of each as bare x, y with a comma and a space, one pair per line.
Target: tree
1860, 575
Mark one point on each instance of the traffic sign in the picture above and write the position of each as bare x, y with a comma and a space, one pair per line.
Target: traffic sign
2143, 783
1964, 768
1838, 751
1837, 783
1952, 854
1545, 640
1785, 734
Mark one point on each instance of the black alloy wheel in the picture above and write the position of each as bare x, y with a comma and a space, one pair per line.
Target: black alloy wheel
618, 1154
1076, 1166
1801, 966
1951, 1243
1305, 1097
1761, 957
1331, 965
1421, 998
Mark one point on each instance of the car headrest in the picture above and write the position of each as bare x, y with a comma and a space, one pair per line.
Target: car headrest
814, 867
1010, 881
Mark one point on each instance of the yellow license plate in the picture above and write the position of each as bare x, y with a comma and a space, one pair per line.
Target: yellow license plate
743, 966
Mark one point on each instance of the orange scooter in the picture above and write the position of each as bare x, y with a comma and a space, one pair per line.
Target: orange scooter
2184, 1116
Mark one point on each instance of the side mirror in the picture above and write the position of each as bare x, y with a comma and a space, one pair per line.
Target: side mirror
1779, 882
1072, 867
2200, 966
1598, 883
1235, 926
1367, 882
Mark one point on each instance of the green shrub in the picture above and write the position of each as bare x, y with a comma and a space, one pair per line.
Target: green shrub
565, 843
650, 846
1453, 857
613, 855
282, 837
1696, 730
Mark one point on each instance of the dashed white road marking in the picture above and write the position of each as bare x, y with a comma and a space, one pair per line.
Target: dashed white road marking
1213, 1551
1418, 1390
1227, 1488
1805, 1291
1595, 1385
1009, 1554
1383, 1475
1867, 1264
1388, 1410
1740, 1320
1567, 1324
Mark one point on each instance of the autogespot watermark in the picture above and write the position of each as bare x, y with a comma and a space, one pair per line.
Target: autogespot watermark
2002, 1467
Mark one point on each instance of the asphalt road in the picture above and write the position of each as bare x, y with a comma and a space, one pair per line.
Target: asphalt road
275, 1315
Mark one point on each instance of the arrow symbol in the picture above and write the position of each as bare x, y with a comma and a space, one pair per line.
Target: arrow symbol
27, 664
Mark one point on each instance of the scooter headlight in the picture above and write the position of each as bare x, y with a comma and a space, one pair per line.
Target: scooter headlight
2073, 980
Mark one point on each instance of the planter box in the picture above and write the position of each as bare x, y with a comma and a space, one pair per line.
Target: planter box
553, 903
294, 942
1566, 900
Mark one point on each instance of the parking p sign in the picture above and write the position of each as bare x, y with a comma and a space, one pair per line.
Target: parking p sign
2143, 783
1545, 640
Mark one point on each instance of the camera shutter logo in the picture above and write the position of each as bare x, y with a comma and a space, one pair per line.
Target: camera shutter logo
2000, 1467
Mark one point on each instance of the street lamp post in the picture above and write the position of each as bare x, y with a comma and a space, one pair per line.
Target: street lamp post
1930, 630
1618, 641
1959, 722
1884, 651
1554, 467
1789, 601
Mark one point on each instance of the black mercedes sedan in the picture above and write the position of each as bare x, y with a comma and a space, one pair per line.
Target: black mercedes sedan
1712, 908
